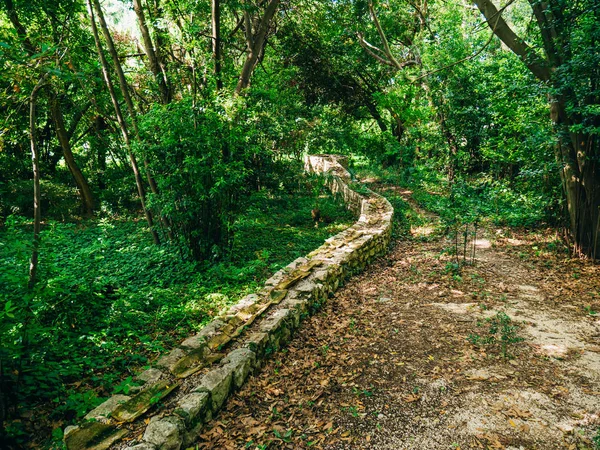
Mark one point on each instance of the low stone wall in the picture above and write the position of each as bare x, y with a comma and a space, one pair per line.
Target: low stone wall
193, 381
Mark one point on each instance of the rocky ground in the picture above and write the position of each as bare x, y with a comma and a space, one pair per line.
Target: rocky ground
410, 355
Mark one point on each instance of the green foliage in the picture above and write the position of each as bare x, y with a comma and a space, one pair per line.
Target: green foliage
207, 161
501, 332
109, 301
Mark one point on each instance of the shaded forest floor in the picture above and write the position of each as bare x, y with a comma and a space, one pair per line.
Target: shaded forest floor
109, 301
402, 356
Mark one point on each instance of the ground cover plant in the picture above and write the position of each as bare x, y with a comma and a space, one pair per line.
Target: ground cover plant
148, 147
396, 358
111, 301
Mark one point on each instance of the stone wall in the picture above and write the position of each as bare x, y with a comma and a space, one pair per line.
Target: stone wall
193, 381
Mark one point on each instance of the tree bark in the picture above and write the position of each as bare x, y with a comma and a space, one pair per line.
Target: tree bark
519, 47
37, 195
154, 58
127, 96
216, 41
87, 198
255, 45
577, 153
122, 124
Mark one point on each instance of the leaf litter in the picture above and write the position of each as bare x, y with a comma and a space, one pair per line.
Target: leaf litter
387, 363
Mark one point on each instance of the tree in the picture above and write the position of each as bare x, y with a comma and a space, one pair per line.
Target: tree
117, 107
567, 60
33, 49
256, 34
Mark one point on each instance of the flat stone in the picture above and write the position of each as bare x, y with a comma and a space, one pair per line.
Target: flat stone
275, 278
190, 363
142, 446
257, 342
142, 402
212, 329
170, 359
275, 322
150, 376
194, 342
104, 410
94, 436
218, 341
321, 275
277, 295
305, 286
296, 263
245, 302
191, 407
217, 383
241, 361
165, 433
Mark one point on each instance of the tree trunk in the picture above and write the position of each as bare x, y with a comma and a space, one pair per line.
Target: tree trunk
153, 54
577, 153
127, 96
216, 41
122, 124
255, 45
87, 198
37, 195
376, 116
581, 180
100, 147
398, 127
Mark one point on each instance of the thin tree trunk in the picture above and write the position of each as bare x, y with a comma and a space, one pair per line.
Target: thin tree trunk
37, 195
255, 45
376, 116
127, 96
152, 53
122, 124
87, 198
398, 127
216, 41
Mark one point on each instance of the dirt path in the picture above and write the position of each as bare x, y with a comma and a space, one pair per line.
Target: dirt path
387, 364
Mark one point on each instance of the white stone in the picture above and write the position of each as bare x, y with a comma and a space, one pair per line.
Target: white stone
241, 362
102, 411
165, 433
191, 406
217, 383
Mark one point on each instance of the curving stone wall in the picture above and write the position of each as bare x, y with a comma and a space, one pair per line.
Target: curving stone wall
192, 382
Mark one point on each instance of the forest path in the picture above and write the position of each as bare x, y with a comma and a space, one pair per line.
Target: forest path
386, 363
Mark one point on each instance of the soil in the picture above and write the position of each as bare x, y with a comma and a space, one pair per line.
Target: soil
402, 356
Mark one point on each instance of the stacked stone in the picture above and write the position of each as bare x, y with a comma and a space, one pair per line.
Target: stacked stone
259, 324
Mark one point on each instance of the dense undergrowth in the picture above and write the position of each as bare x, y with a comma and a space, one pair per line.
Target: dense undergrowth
525, 202
111, 302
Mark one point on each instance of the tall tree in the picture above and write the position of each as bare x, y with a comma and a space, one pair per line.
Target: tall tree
37, 194
64, 136
155, 62
256, 34
216, 41
121, 120
569, 64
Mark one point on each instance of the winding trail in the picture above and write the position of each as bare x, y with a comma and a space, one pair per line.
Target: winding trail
386, 363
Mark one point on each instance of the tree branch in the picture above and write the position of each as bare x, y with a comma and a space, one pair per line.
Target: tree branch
364, 44
538, 66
